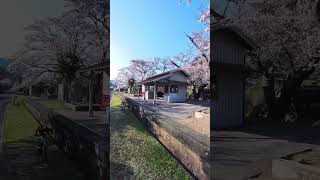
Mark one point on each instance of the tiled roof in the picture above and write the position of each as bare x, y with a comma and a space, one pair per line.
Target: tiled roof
164, 75
235, 30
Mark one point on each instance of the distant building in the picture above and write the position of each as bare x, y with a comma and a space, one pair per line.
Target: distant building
123, 89
40, 89
102, 73
171, 86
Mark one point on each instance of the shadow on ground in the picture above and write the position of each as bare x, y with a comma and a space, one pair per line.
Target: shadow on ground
121, 171
236, 151
24, 162
301, 131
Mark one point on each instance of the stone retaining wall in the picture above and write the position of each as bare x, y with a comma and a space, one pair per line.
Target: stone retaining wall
190, 148
88, 150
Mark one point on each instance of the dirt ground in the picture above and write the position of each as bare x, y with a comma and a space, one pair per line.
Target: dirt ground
201, 125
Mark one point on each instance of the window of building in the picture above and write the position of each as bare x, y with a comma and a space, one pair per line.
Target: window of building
150, 88
166, 89
174, 89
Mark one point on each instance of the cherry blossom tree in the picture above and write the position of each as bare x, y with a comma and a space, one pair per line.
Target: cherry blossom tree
288, 33
96, 12
137, 71
61, 45
201, 39
124, 75
199, 67
195, 60
163, 64
199, 77
143, 68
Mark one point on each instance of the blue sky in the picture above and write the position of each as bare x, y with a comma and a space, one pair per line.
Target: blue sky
150, 28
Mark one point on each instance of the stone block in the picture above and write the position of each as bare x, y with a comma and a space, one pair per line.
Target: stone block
199, 115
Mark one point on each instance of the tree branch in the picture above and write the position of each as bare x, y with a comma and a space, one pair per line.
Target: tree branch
201, 50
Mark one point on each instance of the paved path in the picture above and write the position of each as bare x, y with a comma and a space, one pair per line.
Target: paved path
236, 154
3, 162
97, 123
176, 111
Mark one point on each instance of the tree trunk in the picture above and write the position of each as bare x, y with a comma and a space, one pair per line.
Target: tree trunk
281, 105
200, 91
30, 90
269, 94
90, 113
69, 92
194, 92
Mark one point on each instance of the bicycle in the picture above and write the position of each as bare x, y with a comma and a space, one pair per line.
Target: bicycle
123, 106
42, 147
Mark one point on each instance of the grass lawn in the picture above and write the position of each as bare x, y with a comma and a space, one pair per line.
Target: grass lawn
52, 104
135, 153
24, 163
55, 104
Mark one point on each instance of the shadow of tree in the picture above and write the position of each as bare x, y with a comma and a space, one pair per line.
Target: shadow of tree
25, 163
121, 171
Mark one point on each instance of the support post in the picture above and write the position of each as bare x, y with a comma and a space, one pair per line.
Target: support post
169, 91
154, 93
61, 92
105, 90
30, 90
90, 113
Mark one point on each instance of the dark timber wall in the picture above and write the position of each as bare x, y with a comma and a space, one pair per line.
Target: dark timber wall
229, 47
228, 107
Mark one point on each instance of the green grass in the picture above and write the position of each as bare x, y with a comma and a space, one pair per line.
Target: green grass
116, 101
135, 153
55, 104
52, 104
254, 96
20, 142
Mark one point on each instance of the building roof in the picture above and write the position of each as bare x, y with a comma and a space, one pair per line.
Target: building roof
42, 84
164, 75
124, 86
249, 43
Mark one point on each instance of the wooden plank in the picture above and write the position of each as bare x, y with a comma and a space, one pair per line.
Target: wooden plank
240, 152
285, 169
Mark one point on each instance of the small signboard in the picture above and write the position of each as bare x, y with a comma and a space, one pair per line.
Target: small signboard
105, 102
